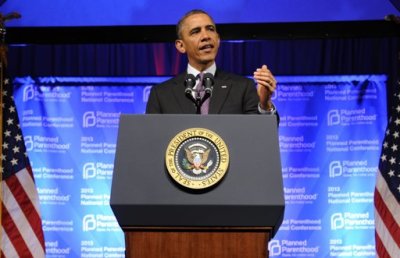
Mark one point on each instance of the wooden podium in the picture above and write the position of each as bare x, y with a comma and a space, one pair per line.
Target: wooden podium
235, 218
188, 242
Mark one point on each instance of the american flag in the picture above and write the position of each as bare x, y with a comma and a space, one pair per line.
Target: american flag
21, 231
387, 190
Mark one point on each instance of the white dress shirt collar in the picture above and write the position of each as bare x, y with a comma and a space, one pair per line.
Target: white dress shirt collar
211, 69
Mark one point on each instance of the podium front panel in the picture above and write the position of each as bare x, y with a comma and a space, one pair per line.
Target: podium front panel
250, 194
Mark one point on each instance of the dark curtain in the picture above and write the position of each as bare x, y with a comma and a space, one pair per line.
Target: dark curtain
377, 55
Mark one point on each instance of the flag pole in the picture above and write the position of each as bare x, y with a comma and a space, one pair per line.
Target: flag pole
3, 63
3, 66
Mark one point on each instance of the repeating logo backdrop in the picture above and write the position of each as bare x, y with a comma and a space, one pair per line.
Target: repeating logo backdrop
330, 135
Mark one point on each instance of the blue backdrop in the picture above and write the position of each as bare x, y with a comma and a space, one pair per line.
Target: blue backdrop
330, 135
145, 12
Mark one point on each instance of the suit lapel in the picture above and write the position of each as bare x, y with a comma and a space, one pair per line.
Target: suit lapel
221, 89
185, 105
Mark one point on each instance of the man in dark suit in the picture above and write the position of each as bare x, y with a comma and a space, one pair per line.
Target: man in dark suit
231, 94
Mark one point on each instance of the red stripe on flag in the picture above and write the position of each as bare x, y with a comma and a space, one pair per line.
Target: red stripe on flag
26, 206
387, 217
380, 248
14, 235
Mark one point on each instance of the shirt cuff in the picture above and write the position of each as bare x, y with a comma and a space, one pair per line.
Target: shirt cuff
271, 111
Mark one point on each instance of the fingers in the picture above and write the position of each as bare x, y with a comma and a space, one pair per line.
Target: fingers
264, 77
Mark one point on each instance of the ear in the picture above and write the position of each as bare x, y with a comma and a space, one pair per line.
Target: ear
180, 46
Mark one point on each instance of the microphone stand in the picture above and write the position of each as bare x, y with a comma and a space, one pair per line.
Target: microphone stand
190, 82
198, 101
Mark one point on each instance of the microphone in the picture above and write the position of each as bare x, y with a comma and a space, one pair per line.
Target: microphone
208, 82
190, 81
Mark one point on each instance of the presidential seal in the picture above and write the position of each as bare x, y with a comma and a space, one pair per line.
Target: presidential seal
197, 158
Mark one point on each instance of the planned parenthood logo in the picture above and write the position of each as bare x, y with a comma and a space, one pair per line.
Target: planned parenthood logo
53, 196
294, 93
337, 221
38, 143
289, 143
292, 248
89, 170
43, 93
346, 117
99, 223
89, 119
335, 169
89, 222
351, 168
299, 195
274, 248
100, 119
333, 117
146, 93
351, 221
28, 93
98, 170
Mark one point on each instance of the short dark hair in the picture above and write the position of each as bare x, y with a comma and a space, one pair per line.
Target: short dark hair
190, 13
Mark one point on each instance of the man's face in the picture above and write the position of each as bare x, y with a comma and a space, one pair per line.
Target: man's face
199, 40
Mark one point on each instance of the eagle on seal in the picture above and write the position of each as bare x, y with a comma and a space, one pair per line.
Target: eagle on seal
197, 160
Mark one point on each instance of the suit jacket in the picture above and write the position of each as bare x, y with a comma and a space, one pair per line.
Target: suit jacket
232, 94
